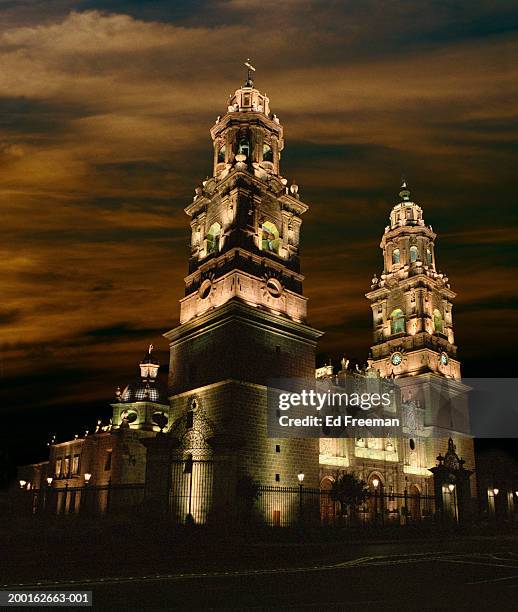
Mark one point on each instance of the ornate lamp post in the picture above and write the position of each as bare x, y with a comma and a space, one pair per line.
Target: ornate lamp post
46, 495
451, 488
496, 491
375, 484
87, 476
300, 477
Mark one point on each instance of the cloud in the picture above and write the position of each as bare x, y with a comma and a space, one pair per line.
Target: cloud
104, 121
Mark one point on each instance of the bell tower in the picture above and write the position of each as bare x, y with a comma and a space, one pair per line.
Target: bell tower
413, 337
245, 220
412, 301
243, 317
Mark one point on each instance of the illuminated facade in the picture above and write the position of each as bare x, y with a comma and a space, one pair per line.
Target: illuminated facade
112, 456
412, 301
243, 324
243, 317
414, 343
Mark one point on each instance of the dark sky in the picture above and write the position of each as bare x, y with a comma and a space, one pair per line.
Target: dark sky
105, 109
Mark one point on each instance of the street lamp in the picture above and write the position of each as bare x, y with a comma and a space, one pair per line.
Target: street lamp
300, 477
496, 491
22, 484
46, 502
451, 488
84, 502
375, 484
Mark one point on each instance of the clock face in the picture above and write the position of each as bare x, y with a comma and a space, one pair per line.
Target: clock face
396, 358
444, 359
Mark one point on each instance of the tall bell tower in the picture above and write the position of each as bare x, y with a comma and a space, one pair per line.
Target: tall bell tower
243, 317
245, 220
412, 301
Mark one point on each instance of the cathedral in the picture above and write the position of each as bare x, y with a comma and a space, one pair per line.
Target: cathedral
190, 446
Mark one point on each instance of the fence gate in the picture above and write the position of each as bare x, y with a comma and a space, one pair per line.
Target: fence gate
191, 497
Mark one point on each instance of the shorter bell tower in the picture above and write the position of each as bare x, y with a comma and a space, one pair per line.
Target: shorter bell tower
412, 305
411, 300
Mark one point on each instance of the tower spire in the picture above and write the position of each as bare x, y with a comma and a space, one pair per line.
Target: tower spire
411, 301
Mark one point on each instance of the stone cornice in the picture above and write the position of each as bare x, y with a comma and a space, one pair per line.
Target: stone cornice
233, 310
411, 282
288, 201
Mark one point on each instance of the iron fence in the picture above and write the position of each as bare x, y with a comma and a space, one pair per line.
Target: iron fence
90, 499
198, 494
283, 506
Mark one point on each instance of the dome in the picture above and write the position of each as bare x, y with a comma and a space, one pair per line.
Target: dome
144, 391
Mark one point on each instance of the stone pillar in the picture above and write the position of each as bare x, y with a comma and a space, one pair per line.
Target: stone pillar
439, 479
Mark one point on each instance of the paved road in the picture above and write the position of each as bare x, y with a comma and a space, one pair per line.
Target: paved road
439, 579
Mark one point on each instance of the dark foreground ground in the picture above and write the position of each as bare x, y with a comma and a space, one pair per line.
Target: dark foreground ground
155, 567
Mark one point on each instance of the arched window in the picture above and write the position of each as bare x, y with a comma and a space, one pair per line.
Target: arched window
213, 236
397, 321
428, 256
221, 154
244, 147
269, 237
267, 153
396, 256
437, 321
413, 254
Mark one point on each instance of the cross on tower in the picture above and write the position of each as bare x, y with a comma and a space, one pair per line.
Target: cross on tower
250, 69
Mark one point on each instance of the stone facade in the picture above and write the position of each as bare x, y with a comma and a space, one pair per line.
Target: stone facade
243, 318
414, 344
243, 325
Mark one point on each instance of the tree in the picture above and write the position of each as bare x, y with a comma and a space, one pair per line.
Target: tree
248, 491
349, 492
248, 488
